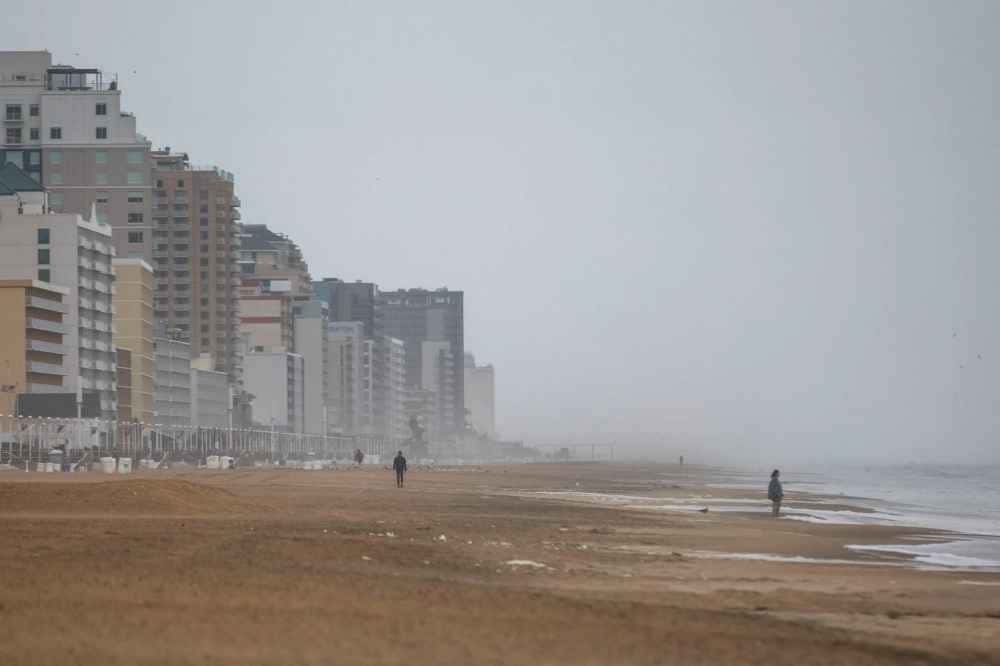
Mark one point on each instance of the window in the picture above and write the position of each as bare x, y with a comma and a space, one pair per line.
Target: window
204, 301
13, 135
180, 197
135, 237
33, 134
203, 208
135, 157
102, 217
204, 235
43, 256
181, 247
101, 110
204, 248
204, 276
44, 275
181, 233
134, 178
14, 157
101, 133
180, 182
100, 157
205, 328
55, 157
135, 197
34, 158
203, 222
55, 132
13, 112
159, 184
33, 110
44, 236
102, 197
135, 218
101, 178
204, 262
55, 178
56, 201
180, 260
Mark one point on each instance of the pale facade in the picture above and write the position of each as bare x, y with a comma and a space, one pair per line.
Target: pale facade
347, 408
211, 397
312, 344
275, 379
172, 382
480, 396
133, 302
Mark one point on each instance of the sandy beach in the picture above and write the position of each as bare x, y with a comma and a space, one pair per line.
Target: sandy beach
517, 564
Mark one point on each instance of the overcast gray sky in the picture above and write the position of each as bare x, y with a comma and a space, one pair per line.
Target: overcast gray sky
762, 228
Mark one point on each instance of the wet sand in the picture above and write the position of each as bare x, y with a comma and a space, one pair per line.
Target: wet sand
296, 567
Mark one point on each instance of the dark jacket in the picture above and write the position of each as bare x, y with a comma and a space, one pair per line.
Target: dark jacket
774, 491
399, 464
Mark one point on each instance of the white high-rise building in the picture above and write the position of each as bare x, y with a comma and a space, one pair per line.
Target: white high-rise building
68, 251
312, 344
348, 401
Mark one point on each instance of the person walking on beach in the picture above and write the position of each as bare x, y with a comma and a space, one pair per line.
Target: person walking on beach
399, 464
775, 493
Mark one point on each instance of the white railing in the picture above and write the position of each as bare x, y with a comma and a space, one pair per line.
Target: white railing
26, 441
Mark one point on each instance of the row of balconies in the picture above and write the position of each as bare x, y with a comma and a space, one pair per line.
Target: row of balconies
46, 304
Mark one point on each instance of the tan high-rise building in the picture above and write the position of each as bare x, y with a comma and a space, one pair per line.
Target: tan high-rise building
32, 346
133, 301
66, 128
196, 259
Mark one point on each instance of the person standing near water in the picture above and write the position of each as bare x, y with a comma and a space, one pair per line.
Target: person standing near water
399, 464
775, 493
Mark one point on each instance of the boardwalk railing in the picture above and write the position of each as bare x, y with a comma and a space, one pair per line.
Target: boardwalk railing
26, 441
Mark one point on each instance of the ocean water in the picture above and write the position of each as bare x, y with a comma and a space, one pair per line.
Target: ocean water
961, 500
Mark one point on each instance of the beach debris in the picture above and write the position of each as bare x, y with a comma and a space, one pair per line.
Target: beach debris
582, 546
442, 538
391, 535
366, 558
469, 542
564, 529
526, 563
427, 562
705, 510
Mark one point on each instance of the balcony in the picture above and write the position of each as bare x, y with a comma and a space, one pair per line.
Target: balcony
86, 283
86, 262
46, 304
40, 368
86, 244
99, 306
43, 346
46, 325
103, 267
236, 203
46, 388
101, 287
